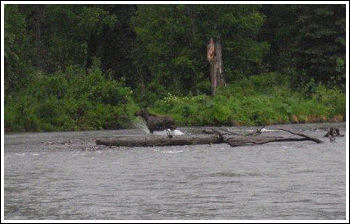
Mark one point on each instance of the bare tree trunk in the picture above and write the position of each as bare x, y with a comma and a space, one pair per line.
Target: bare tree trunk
214, 56
213, 78
219, 65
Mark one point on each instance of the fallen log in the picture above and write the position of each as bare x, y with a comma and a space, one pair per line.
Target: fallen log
258, 140
160, 140
213, 136
255, 138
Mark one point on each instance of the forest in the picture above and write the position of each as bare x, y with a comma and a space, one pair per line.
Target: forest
91, 67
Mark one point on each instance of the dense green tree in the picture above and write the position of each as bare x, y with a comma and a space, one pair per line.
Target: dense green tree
17, 49
64, 35
280, 31
156, 55
321, 43
172, 39
116, 43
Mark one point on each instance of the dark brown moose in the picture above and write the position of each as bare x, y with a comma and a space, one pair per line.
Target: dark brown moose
156, 122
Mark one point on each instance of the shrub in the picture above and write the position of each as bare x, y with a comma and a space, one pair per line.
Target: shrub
68, 101
258, 100
335, 99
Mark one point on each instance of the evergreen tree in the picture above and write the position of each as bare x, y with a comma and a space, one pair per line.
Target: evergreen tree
280, 31
17, 52
172, 39
321, 43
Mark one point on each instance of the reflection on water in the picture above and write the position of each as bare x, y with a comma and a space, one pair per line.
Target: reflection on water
64, 175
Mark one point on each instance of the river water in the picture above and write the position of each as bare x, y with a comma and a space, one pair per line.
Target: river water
65, 175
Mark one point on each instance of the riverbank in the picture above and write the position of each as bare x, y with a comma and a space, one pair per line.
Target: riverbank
68, 102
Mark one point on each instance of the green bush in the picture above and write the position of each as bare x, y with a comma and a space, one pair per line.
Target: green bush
75, 100
334, 99
70, 101
258, 100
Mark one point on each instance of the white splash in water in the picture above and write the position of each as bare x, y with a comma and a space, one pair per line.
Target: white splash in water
268, 130
177, 132
171, 152
20, 154
168, 131
141, 124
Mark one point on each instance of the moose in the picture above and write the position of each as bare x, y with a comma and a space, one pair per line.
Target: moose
156, 122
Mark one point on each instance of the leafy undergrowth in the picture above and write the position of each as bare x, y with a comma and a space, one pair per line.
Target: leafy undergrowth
75, 100
72, 100
259, 100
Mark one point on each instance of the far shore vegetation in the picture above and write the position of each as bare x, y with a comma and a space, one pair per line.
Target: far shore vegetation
91, 67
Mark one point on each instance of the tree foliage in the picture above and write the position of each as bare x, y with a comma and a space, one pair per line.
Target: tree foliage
309, 39
172, 39
157, 50
321, 43
17, 49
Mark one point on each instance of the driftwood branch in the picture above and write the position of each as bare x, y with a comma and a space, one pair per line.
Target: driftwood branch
212, 136
258, 140
254, 138
303, 135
